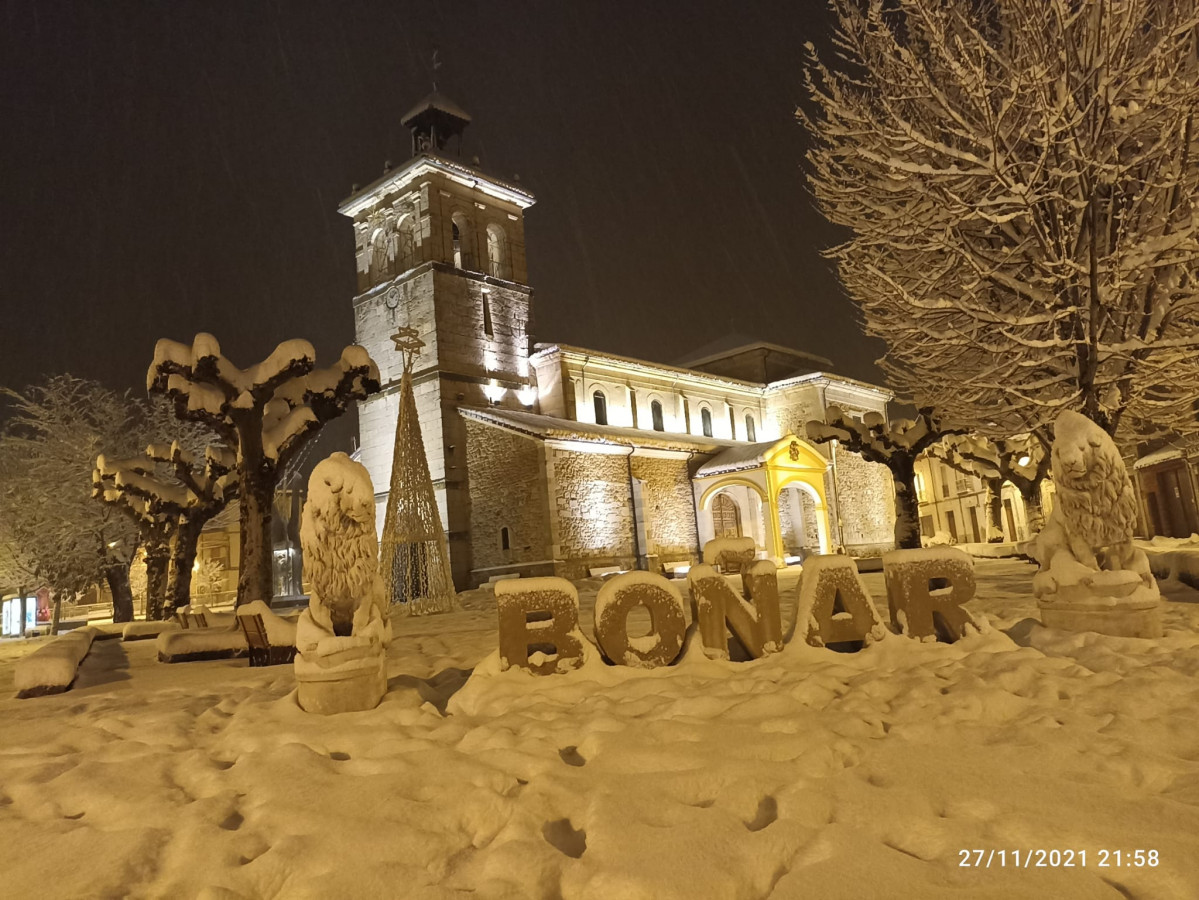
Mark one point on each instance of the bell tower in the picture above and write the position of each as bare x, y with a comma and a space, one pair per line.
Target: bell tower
440, 248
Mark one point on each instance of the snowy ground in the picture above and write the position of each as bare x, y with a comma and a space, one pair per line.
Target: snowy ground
808, 774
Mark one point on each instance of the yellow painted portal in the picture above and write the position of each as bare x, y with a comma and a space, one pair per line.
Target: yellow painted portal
790, 461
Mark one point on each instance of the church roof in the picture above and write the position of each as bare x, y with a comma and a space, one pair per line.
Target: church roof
439, 102
551, 427
746, 456
735, 344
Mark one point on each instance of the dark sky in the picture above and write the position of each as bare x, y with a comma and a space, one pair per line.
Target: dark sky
174, 167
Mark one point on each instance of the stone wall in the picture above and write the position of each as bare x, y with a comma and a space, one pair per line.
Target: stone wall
508, 490
668, 504
866, 503
591, 511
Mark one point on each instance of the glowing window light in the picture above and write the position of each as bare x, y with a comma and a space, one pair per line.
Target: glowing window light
493, 391
1024, 460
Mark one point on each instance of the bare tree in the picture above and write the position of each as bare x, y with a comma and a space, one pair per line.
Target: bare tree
1020, 182
1023, 461
171, 496
896, 445
264, 414
54, 434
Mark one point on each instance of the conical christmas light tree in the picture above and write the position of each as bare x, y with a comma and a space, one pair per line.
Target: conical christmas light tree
414, 557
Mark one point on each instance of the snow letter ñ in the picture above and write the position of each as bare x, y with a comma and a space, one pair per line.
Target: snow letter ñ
539, 624
756, 624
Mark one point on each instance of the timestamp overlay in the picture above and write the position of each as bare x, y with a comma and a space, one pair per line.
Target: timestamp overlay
1081, 870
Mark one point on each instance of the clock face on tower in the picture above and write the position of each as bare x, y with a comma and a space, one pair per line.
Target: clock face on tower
392, 298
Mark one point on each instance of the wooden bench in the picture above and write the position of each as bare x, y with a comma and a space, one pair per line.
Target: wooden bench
262, 651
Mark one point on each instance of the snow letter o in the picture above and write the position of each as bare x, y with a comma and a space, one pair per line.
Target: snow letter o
617, 598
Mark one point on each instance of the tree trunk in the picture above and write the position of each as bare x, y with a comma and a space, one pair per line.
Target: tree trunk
995, 507
24, 612
256, 498
56, 614
1034, 515
122, 595
183, 558
158, 561
907, 505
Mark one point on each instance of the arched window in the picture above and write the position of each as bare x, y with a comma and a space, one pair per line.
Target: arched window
655, 411
497, 252
751, 433
406, 254
601, 408
460, 231
505, 538
726, 518
705, 418
382, 266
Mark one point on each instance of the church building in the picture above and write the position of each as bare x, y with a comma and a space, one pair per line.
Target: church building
550, 459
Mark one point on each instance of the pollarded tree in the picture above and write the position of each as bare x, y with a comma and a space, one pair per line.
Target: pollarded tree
47, 450
265, 414
1020, 180
896, 445
1024, 461
171, 495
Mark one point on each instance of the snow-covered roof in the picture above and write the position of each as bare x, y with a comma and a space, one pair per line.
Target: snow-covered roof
450, 168
551, 427
734, 344
1165, 454
438, 101
734, 459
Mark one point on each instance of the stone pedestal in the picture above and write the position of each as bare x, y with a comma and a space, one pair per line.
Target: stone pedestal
1120, 619
1115, 603
350, 692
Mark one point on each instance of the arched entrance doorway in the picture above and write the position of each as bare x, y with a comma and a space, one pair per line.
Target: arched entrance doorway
799, 522
726, 517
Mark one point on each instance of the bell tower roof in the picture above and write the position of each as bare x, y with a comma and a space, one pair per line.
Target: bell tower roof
434, 121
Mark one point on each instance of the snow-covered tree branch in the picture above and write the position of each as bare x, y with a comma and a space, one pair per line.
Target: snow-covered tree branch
265, 414
46, 454
1020, 180
895, 445
171, 495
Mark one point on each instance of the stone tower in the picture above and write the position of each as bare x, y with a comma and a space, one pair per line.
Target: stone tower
440, 248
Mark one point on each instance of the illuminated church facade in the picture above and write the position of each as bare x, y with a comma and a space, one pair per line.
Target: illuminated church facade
554, 459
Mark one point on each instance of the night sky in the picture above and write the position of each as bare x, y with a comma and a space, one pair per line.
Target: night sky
174, 167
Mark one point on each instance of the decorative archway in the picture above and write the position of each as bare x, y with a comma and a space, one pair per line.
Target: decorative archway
789, 463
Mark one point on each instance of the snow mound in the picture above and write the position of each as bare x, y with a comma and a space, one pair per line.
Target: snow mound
52, 668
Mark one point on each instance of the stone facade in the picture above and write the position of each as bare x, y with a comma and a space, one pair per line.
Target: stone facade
591, 511
667, 510
508, 492
865, 505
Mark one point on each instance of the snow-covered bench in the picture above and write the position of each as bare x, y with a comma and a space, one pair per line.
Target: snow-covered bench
271, 638
142, 631
604, 571
51, 669
730, 554
188, 644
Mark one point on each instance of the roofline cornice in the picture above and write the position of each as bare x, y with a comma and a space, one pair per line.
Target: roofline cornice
427, 163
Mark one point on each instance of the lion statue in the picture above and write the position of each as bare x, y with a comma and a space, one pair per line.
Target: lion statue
337, 534
1095, 508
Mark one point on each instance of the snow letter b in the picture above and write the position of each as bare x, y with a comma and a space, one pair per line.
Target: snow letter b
620, 596
926, 590
539, 624
756, 624
834, 605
